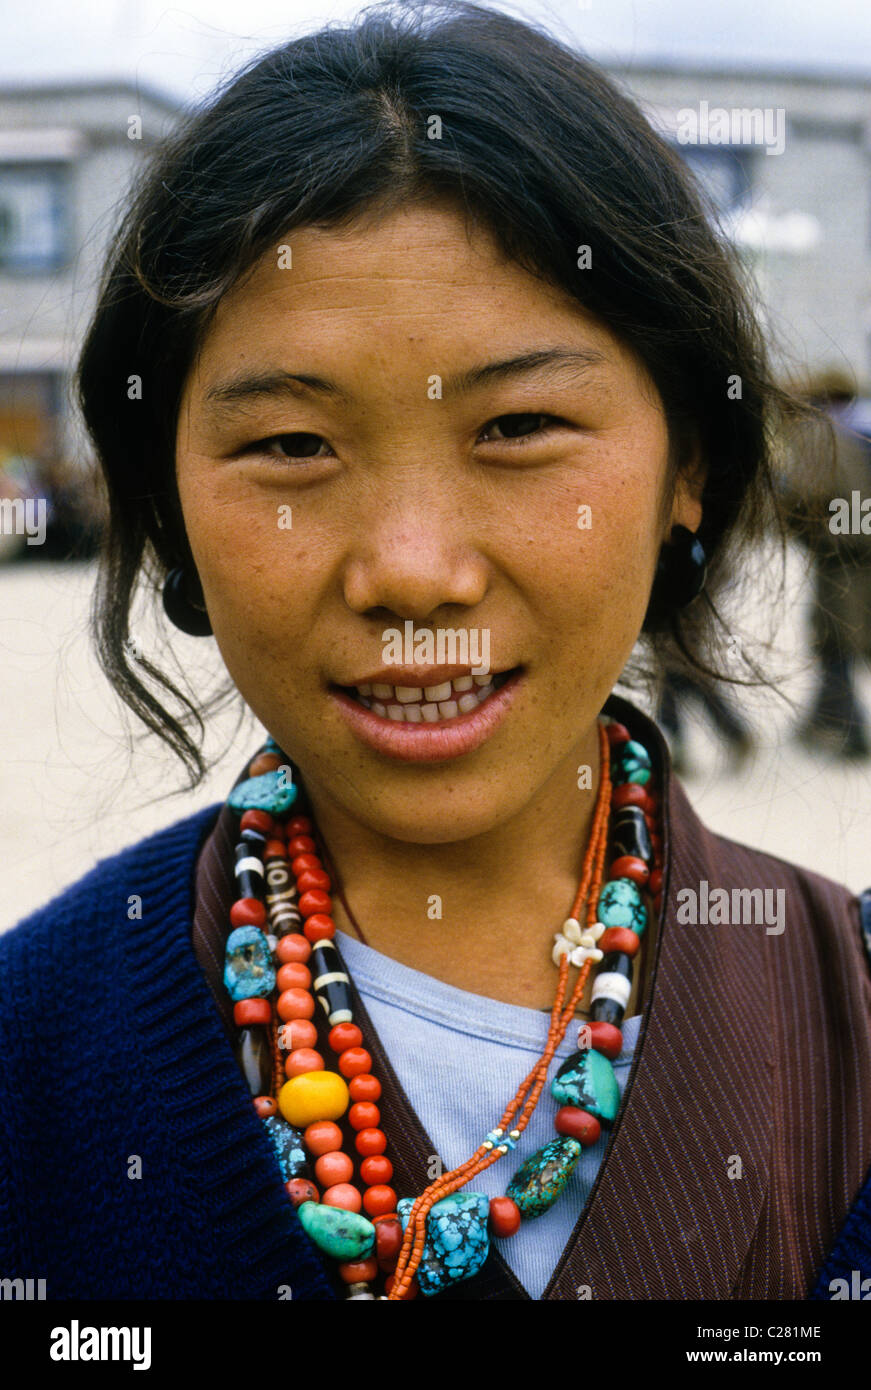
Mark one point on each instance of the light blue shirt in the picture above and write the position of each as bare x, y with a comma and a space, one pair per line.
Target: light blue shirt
459, 1058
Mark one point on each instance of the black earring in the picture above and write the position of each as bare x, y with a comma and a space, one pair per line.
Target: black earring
188, 616
680, 573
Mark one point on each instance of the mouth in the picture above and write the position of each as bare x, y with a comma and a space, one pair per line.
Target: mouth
429, 723
429, 704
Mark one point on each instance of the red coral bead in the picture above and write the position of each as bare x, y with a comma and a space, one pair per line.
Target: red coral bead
364, 1087
297, 825
299, 1032
273, 849
343, 1195
628, 866
606, 1038
359, 1271
248, 912
354, 1060
619, 939
379, 1200
265, 1105
259, 820
376, 1169
301, 1190
302, 862
247, 1012
313, 878
320, 927
629, 794
334, 1167
293, 975
295, 1003
412, 1288
344, 1035
300, 844
302, 1060
655, 881
364, 1115
617, 733
370, 1141
388, 1241
293, 947
504, 1216
315, 900
657, 904
577, 1124
321, 1136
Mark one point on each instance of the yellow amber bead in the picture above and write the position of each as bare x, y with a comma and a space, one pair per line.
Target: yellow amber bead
314, 1095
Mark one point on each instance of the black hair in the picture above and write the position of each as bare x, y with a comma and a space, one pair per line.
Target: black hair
537, 145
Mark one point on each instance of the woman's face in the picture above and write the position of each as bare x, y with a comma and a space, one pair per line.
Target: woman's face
392, 427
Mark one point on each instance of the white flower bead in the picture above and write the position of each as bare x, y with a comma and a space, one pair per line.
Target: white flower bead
561, 948
596, 930
582, 953
571, 930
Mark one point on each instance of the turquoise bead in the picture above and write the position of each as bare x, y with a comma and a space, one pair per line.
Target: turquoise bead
633, 752
346, 1235
587, 1080
632, 772
292, 1157
537, 1184
621, 905
457, 1239
270, 792
248, 969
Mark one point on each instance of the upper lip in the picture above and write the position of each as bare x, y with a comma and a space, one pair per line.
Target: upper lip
418, 676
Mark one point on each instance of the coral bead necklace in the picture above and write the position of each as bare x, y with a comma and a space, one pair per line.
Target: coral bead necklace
281, 963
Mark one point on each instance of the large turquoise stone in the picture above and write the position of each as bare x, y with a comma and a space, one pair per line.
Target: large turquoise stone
537, 1184
292, 1157
457, 1239
270, 792
621, 905
635, 753
343, 1234
587, 1080
248, 968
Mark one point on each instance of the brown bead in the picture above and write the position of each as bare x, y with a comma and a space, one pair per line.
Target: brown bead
263, 762
388, 1241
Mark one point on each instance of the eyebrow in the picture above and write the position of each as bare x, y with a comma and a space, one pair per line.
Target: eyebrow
252, 386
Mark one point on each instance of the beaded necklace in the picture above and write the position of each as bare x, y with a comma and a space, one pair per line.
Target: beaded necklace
281, 961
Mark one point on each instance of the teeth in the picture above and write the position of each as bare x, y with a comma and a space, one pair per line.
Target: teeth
365, 689
413, 714
480, 680
461, 683
379, 708
468, 702
395, 712
406, 693
430, 713
438, 692
484, 691
448, 709
382, 692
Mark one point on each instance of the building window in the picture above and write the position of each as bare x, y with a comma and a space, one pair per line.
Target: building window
34, 217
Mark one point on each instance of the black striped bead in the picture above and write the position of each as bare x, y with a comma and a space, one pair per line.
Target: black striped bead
629, 834
330, 985
610, 996
254, 1056
248, 871
281, 898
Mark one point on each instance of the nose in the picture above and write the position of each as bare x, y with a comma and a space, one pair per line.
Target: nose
415, 555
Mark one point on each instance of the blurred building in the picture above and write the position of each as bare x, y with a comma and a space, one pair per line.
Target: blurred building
67, 155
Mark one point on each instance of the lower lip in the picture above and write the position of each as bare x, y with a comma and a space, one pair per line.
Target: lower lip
429, 743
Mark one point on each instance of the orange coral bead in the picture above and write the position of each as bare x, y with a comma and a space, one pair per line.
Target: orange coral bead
359, 1271
301, 1190
344, 1035
295, 1003
319, 927
293, 947
379, 1200
354, 1060
293, 975
303, 1059
265, 1105
334, 1168
376, 1169
322, 1136
364, 1115
343, 1195
365, 1086
370, 1141
300, 1032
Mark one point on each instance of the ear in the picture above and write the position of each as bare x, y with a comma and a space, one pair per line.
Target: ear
689, 486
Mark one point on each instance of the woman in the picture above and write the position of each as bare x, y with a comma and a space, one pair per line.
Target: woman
409, 383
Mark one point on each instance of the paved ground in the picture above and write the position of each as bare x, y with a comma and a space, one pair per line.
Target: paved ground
72, 792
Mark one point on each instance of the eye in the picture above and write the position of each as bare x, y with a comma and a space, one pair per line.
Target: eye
300, 445
518, 427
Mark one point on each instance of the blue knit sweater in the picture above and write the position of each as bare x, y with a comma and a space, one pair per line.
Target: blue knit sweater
152, 1077
132, 1163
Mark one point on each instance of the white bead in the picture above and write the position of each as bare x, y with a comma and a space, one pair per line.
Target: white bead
587, 939
596, 930
571, 930
561, 948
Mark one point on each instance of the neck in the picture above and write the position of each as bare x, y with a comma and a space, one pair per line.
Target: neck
477, 913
